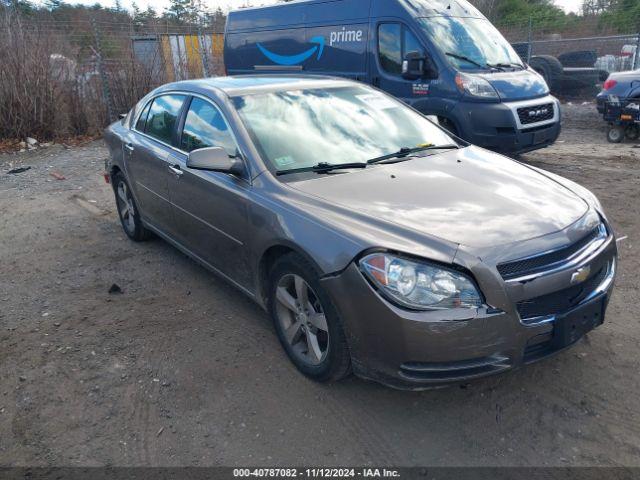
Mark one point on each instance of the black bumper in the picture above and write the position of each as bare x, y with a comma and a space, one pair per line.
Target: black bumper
493, 126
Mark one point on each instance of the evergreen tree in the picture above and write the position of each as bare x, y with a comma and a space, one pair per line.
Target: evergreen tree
53, 4
177, 11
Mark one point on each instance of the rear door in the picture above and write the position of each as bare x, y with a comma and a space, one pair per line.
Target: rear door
148, 162
210, 208
392, 40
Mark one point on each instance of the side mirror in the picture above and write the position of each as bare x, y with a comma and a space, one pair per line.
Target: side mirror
215, 159
415, 66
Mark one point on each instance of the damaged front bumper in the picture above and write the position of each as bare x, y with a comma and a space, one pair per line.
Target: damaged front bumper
424, 349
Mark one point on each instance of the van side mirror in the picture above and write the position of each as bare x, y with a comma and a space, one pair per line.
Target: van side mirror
215, 159
416, 65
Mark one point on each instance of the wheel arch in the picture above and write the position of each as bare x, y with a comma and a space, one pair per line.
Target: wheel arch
114, 170
267, 260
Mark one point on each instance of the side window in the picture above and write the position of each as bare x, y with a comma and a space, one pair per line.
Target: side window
163, 116
390, 47
410, 43
142, 119
394, 42
205, 127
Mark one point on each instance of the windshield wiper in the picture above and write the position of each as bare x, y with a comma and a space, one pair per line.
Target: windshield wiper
405, 152
323, 167
467, 59
506, 65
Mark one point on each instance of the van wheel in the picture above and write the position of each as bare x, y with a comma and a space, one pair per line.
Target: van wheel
632, 132
128, 210
615, 134
306, 320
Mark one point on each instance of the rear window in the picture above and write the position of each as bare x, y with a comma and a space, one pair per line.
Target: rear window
142, 119
162, 117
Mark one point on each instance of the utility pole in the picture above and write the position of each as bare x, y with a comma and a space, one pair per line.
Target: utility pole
529, 35
106, 93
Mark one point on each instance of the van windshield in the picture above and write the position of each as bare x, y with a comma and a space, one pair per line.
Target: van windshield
301, 128
471, 43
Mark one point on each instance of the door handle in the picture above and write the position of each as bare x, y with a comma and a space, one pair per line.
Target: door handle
129, 146
176, 170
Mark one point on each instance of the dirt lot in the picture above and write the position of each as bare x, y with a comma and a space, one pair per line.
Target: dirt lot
181, 369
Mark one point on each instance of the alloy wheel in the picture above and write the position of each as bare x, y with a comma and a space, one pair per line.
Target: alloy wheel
125, 208
302, 319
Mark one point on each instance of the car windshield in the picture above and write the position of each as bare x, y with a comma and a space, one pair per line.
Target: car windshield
302, 128
470, 43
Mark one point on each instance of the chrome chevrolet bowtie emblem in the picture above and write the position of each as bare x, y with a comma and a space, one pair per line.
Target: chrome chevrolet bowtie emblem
581, 274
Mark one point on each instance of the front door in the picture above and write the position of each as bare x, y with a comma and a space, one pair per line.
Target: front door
392, 41
210, 208
147, 159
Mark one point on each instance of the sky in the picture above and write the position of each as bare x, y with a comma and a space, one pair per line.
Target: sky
159, 5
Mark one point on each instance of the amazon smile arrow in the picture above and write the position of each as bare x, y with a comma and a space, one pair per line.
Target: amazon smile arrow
297, 59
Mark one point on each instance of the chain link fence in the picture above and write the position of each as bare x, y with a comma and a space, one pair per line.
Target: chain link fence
63, 78
73, 78
574, 59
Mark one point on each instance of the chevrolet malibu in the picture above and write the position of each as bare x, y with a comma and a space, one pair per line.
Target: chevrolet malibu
378, 243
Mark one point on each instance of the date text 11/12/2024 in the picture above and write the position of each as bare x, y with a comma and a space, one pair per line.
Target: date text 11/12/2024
316, 473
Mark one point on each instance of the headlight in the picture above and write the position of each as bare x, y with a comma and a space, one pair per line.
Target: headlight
475, 86
420, 285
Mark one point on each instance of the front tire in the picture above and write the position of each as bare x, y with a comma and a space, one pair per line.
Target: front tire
128, 210
306, 321
615, 134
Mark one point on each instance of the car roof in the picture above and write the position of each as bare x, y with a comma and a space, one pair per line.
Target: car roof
249, 84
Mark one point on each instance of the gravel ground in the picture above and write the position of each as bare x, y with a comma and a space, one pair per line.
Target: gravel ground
181, 369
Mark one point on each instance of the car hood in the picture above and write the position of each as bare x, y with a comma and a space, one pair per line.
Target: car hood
469, 196
521, 84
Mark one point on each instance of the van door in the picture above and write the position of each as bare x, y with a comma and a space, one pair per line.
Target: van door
391, 41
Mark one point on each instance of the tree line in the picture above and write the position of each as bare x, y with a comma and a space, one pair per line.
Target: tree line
618, 16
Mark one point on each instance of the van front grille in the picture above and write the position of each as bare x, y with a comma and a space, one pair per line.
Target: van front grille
536, 113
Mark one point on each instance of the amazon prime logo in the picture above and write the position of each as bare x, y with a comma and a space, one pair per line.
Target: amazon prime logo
318, 42
344, 35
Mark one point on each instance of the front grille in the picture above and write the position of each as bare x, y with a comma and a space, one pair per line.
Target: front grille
542, 262
562, 300
536, 113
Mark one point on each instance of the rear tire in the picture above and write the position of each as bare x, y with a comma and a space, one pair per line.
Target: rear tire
632, 132
128, 210
306, 321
